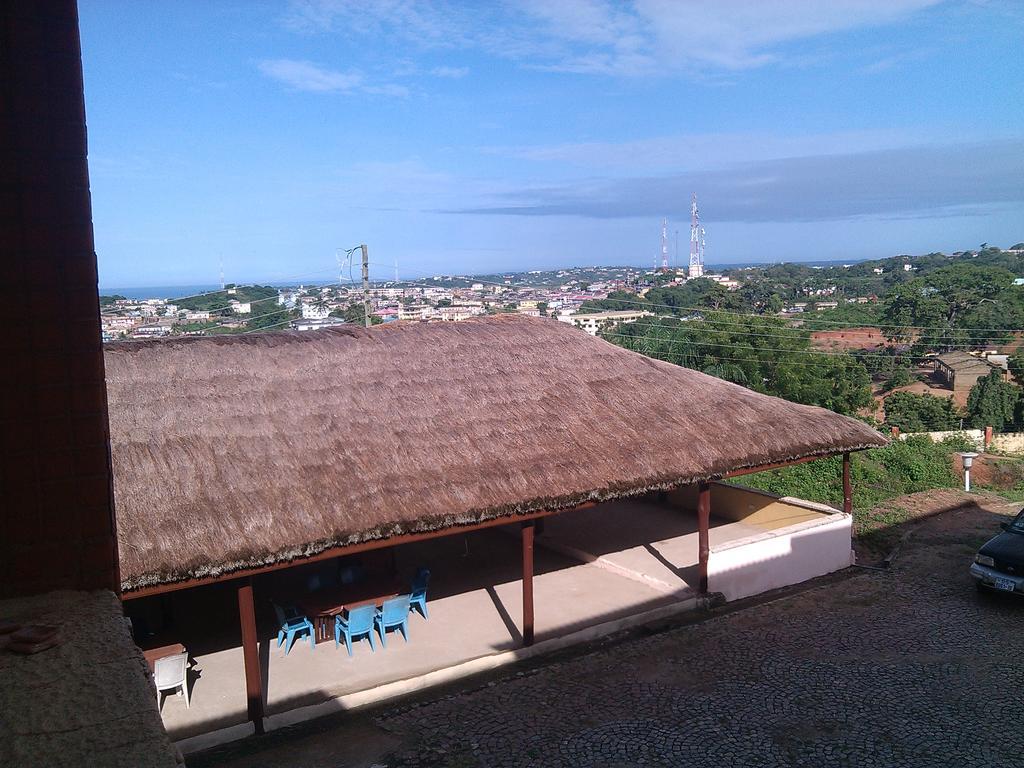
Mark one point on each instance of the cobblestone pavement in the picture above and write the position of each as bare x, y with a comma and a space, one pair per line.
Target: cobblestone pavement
905, 668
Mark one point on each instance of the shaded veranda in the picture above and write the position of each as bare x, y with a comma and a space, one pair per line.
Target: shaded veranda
601, 569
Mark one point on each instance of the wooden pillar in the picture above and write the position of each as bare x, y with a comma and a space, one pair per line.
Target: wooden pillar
847, 487
528, 530
250, 653
703, 532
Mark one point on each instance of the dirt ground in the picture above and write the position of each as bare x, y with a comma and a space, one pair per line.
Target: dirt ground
908, 666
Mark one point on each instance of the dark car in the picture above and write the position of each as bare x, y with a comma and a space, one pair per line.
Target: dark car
999, 563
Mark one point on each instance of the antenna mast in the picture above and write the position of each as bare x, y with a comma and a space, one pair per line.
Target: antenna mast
222, 273
696, 242
664, 245
366, 285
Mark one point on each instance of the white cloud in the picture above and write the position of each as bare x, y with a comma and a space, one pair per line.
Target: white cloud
388, 89
307, 76
453, 72
605, 37
924, 179
702, 150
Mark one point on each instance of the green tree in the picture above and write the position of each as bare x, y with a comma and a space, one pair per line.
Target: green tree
267, 315
963, 304
920, 413
617, 301
993, 402
354, 313
761, 353
759, 296
1016, 366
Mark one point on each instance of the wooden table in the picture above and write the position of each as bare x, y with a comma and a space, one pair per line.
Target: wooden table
323, 605
161, 652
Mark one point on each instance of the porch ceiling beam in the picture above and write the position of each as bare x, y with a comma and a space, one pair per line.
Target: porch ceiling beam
768, 467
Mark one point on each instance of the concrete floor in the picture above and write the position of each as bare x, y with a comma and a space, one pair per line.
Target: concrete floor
594, 566
641, 540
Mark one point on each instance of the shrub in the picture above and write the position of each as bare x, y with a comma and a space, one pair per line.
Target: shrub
904, 466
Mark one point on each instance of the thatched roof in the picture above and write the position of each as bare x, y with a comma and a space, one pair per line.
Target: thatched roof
241, 451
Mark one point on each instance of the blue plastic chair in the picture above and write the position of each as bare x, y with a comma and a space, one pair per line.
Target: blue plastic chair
359, 622
418, 599
293, 624
394, 614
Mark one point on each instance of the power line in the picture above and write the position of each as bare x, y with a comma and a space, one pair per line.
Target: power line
639, 302
795, 333
211, 293
825, 353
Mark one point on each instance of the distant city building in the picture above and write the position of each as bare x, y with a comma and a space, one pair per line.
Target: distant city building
241, 307
456, 313
315, 323
150, 331
961, 370
311, 311
415, 312
726, 282
594, 322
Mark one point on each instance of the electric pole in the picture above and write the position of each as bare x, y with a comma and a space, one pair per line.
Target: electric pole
366, 284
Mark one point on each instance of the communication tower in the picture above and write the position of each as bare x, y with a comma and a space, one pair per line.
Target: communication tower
696, 242
664, 245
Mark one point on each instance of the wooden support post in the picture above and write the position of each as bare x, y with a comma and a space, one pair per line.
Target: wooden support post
250, 653
528, 529
703, 530
847, 487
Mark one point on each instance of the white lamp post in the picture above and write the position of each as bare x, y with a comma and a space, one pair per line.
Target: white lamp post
968, 460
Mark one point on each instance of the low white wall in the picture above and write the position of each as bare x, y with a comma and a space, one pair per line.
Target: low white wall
1004, 442
976, 436
782, 557
1007, 442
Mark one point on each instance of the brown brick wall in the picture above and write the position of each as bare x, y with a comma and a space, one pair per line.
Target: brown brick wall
56, 511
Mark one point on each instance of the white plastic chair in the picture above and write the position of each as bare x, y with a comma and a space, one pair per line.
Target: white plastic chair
171, 673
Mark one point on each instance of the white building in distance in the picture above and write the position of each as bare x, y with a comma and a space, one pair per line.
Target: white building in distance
594, 322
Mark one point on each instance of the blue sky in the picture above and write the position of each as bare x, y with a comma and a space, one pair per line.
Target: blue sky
480, 137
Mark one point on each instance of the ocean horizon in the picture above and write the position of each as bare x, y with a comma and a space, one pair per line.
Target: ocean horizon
193, 289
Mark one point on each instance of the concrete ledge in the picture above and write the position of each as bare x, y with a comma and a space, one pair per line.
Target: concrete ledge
789, 530
382, 693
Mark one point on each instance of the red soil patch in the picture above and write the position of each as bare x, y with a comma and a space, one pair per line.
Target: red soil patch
849, 338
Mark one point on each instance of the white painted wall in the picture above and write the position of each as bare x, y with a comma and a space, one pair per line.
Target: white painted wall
1002, 442
976, 436
1007, 442
782, 557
